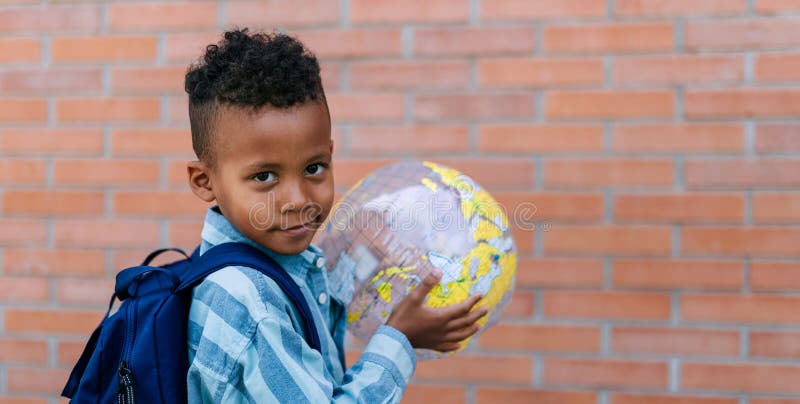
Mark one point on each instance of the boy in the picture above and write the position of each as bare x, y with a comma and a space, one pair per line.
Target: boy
262, 134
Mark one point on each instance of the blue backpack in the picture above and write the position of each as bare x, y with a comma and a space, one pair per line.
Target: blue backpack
140, 353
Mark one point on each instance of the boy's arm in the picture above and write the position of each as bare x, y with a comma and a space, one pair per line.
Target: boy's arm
272, 362
250, 351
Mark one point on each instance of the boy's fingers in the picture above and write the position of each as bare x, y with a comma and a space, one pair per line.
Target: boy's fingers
468, 319
432, 279
448, 346
460, 309
460, 335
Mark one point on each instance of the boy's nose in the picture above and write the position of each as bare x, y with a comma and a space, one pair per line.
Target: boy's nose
295, 198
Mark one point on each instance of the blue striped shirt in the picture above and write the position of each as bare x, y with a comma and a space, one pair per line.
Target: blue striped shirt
246, 339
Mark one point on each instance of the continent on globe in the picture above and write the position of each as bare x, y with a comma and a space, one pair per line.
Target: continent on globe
400, 222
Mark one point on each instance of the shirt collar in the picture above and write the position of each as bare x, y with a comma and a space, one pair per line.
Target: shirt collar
218, 230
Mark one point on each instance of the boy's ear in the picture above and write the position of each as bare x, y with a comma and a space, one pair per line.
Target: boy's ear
200, 180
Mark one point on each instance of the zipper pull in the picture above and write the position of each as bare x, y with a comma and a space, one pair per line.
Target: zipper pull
125, 392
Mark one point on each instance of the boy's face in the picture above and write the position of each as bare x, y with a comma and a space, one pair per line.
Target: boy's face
272, 176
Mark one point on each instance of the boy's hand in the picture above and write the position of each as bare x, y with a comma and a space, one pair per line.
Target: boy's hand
439, 328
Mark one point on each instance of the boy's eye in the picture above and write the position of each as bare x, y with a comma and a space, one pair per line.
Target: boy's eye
266, 176
315, 169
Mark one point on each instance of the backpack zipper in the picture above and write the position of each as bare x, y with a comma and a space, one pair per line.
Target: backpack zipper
125, 393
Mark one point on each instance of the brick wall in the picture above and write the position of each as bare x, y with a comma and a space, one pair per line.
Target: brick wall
658, 139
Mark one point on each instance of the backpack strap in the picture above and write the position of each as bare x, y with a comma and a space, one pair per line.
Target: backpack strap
239, 254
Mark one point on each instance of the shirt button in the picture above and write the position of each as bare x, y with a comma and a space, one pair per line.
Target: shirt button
322, 298
320, 262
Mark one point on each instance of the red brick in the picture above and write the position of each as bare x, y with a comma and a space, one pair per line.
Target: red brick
775, 344
642, 240
613, 305
366, 107
516, 138
20, 232
126, 257
390, 11
185, 47
682, 274
20, 50
275, 13
52, 141
49, 262
179, 109
103, 49
46, 202
106, 233
23, 351
778, 67
521, 305
22, 171
605, 373
488, 395
628, 398
483, 41
75, 18
748, 309
22, 290
618, 172
642, 8
678, 69
773, 401
541, 338
473, 106
186, 234
149, 203
673, 208
67, 81
609, 38
353, 43
95, 292
109, 109
148, 80
776, 6
541, 9
537, 72
416, 393
751, 173
741, 241
609, 104
742, 34
106, 172
348, 172
38, 381
22, 400
686, 138
778, 137
776, 208
69, 352
379, 75
560, 273
152, 141
742, 103
495, 173
469, 368
740, 377
162, 16
674, 341
404, 139
774, 276
51, 321
525, 208
24, 110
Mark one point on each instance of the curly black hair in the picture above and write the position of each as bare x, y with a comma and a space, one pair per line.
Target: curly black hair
248, 70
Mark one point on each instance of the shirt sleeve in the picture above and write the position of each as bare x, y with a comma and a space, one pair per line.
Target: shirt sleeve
273, 362
280, 365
